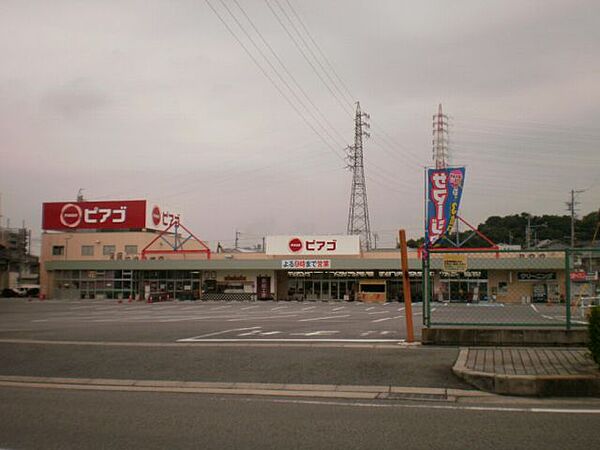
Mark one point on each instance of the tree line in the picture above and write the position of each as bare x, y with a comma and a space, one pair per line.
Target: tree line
512, 230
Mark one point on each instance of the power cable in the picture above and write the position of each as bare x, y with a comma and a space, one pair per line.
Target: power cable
281, 78
309, 34
264, 72
352, 101
284, 67
342, 105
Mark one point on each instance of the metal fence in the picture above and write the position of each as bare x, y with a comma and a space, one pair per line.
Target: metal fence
525, 288
583, 286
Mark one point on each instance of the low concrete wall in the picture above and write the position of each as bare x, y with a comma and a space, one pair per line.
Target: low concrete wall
504, 336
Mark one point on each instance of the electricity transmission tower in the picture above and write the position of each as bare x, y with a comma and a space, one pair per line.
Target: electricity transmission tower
358, 215
440, 139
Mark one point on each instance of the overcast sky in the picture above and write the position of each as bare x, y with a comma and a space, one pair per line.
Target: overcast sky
157, 99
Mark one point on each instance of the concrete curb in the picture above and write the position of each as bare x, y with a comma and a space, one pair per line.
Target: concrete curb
527, 385
257, 343
262, 389
491, 336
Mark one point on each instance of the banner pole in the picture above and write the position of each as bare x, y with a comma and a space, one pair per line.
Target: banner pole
425, 255
410, 332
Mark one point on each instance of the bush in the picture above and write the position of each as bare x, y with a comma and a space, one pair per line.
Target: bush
594, 329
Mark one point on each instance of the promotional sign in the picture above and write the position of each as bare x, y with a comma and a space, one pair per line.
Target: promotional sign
306, 264
455, 263
536, 276
444, 190
263, 287
581, 276
105, 215
313, 245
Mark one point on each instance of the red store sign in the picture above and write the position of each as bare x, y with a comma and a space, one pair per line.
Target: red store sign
109, 215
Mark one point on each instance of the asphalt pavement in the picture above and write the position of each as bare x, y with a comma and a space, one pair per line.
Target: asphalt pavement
56, 419
301, 344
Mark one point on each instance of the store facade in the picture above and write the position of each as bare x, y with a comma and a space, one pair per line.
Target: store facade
110, 263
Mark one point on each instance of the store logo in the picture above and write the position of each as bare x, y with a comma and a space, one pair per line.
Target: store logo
71, 215
295, 245
156, 215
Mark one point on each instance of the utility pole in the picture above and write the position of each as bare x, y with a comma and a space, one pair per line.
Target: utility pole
571, 207
597, 229
358, 214
528, 232
237, 238
375, 237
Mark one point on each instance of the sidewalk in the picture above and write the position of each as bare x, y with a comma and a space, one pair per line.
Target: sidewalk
533, 371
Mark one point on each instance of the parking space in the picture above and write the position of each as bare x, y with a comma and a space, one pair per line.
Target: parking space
210, 321
265, 321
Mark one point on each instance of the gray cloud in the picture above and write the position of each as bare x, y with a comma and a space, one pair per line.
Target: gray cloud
75, 99
156, 99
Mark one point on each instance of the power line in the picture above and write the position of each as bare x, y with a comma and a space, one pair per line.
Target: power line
281, 78
286, 70
341, 103
300, 35
309, 34
385, 138
264, 72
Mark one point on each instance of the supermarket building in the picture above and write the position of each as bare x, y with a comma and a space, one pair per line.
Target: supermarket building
135, 249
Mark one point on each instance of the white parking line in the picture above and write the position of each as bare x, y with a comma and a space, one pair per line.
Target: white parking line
309, 308
386, 318
298, 340
282, 316
315, 333
323, 318
369, 309
249, 307
338, 308
216, 333
279, 307
220, 307
379, 312
250, 333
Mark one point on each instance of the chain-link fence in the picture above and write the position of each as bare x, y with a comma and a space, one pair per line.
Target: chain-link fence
582, 287
527, 288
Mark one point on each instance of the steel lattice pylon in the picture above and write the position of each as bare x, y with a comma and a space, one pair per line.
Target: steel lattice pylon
440, 139
358, 215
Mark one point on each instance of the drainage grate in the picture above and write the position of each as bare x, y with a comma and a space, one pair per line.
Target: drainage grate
412, 396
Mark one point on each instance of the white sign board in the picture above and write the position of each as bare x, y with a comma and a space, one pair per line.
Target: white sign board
322, 245
306, 264
159, 217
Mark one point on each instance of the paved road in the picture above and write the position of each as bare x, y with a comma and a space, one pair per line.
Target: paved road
56, 419
421, 367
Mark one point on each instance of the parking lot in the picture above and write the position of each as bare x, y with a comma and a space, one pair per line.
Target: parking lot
195, 322
205, 321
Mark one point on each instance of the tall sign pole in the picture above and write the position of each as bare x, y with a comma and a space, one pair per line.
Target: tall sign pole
410, 333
